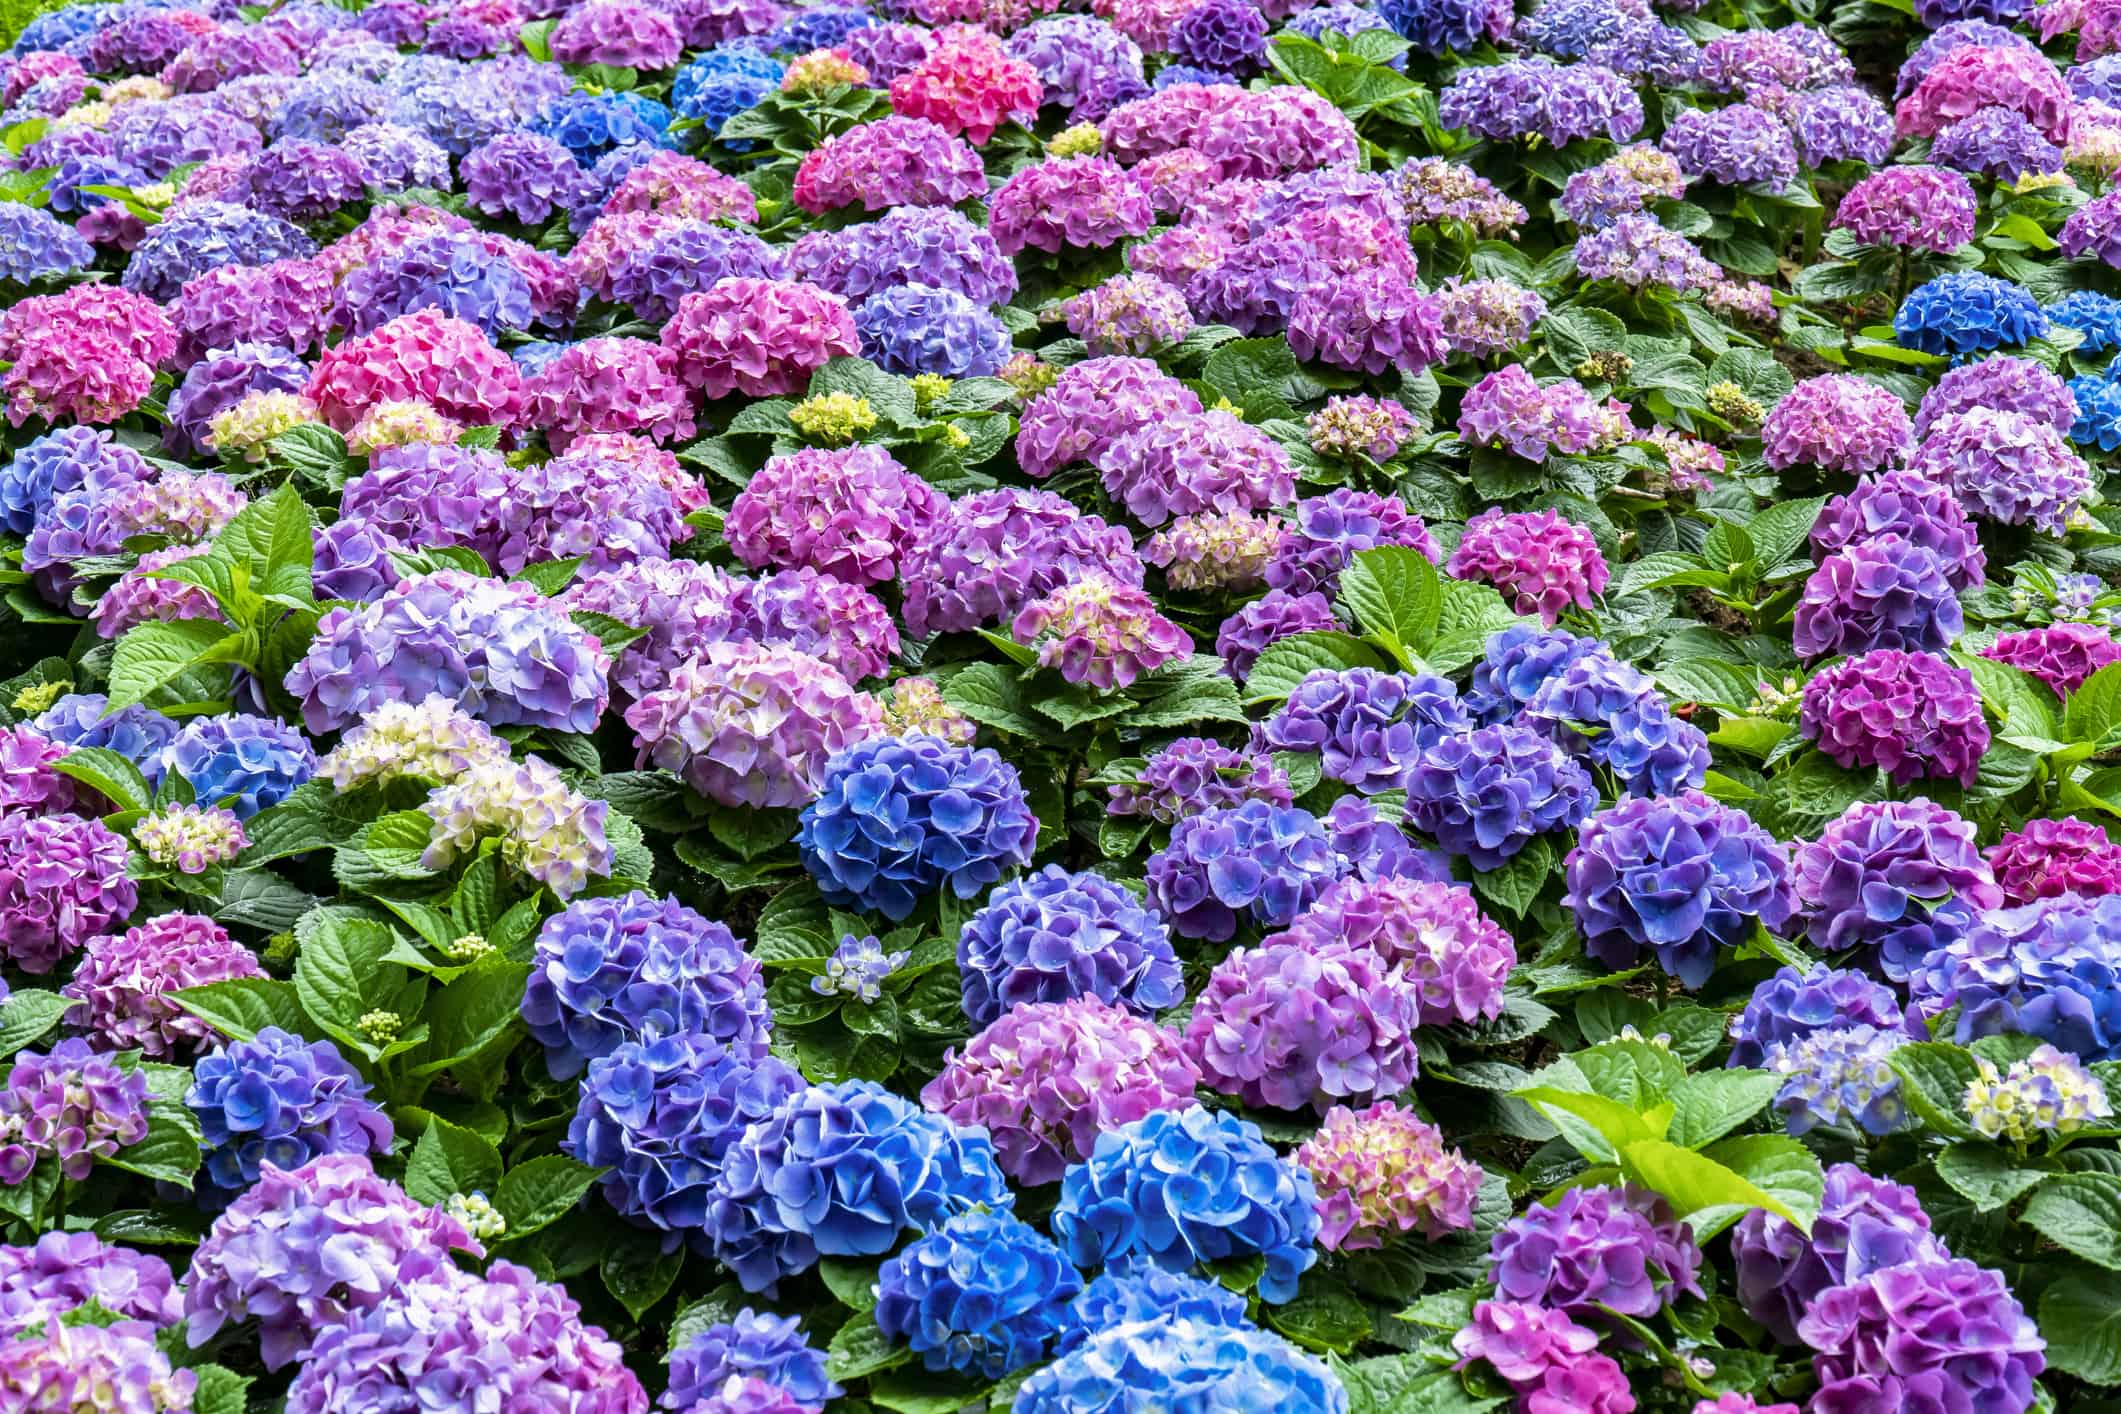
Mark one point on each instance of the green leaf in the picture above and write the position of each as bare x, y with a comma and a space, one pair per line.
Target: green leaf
1289, 661
220, 1390
1260, 376
638, 1272
272, 540
340, 973
2094, 709
472, 1012
260, 899
537, 1193
1323, 1315
1515, 886
890, 396
1703, 1192
170, 1153
1600, 1128
1396, 597
115, 776
1778, 531
990, 695
552, 576
2021, 702
2081, 1322
923, 1392
1986, 1176
859, 1348
26, 1016
1408, 1384
243, 1006
854, 1283
751, 834
1933, 1078
2080, 1213
385, 851
1195, 691
1573, 335
1711, 1104
451, 1159
1777, 1164
149, 656
1707, 680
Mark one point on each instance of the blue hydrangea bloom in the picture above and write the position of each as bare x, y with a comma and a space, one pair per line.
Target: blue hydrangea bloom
137, 733
723, 61
1437, 25
2097, 317
1611, 712
2098, 80
1186, 1187
1485, 794
897, 817
1569, 29
2050, 969
590, 125
60, 461
1372, 847
1056, 935
1180, 1363
823, 27
1131, 1290
1683, 876
35, 244
984, 1294
1262, 862
658, 1116
54, 29
206, 235
1188, 73
759, 1345
281, 1100
1792, 1004
1517, 664
242, 762
842, 1171
911, 329
1366, 726
88, 170
2098, 421
719, 99
452, 271
1839, 1077
610, 970
1965, 313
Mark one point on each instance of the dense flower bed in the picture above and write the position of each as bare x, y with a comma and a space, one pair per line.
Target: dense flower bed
756, 707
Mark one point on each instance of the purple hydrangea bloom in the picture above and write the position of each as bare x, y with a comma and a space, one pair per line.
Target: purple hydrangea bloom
2003, 383
2008, 467
395, 159
658, 1115
908, 245
897, 817
1954, 1332
753, 1345
1684, 876
1865, 1224
1486, 793
1536, 97
1599, 707
118, 1367
1053, 936
1366, 726
1517, 663
1181, 1188
1090, 406
1917, 510
984, 1293
220, 380
524, 176
2050, 969
34, 244
1291, 1024
1841, 124
63, 1271
64, 459
1255, 860
843, 1170
1189, 463
451, 271
1331, 530
1276, 615
62, 881
994, 552
1229, 36
1885, 874
1882, 592
119, 991
1738, 146
852, 513
201, 236
607, 971
1087, 66
911, 329
1592, 1247
298, 180
280, 1101
70, 1106
1792, 1004
1194, 774
1912, 715
1995, 142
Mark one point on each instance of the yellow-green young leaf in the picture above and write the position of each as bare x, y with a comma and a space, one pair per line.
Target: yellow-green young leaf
1711, 1104
1779, 1165
1598, 1127
1703, 1192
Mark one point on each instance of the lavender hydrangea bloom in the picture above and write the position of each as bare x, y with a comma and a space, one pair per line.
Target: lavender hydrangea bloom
1486, 793
908, 245
1536, 97
524, 176
280, 1101
1366, 726
203, 236
1792, 1004
659, 1114
607, 971
1254, 860
1918, 511
1885, 874
64, 459
137, 732
1838, 1076
1865, 1224
1738, 146
1996, 142
1683, 876
1882, 592
218, 382
751, 1344
1955, 1333
1194, 774
911, 329
897, 817
995, 552
1187, 1187
1331, 530
1276, 615
1053, 936
63, 1271
1517, 663
62, 881
1608, 711
117, 1367
1592, 1247
843, 1170
1291, 1024
70, 1106
119, 991
2008, 467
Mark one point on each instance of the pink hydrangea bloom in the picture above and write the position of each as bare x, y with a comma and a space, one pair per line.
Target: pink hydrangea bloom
677, 185
1101, 632
139, 598
88, 354
762, 338
1090, 406
1070, 202
897, 161
1541, 562
608, 385
616, 32
1381, 1172
969, 84
2016, 77
119, 989
62, 881
28, 784
1453, 957
1839, 422
853, 513
2060, 655
426, 356
1276, 132
1194, 462
1369, 321
1165, 121
2052, 857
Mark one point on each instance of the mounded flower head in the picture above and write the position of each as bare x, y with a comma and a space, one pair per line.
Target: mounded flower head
2048, 969
1536, 97
1923, 513
2049, 857
62, 881
1544, 563
1881, 592
118, 1368
1091, 406
607, 971
897, 161
752, 1346
843, 1170
1289, 1024
993, 552
968, 84
1508, 408
1876, 874
762, 338
1181, 1359
897, 817
1193, 774
1129, 314
1053, 936
905, 246
1361, 425
915, 328
1740, 145
1485, 318
1370, 321
854, 512
62, 1271
1181, 1188
1381, 1172
1046, 1078
1276, 615
1485, 793
280, 1101
1592, 1247
751, 726
1964, 313
1683, 876
1839, 422
1864, 1224
244, 762
1953, 1330
2002, 383
1216, 550
1188, 463
1081, 203
1792, 1005
1366, 726
915, 707
1254, 860
2049, 1092
1913, 715
1450, 956
608, 385
432, 741
446, 363
1541, 1353
87, 355
1637, 252
1838, 1076
2060, 655
984, 1293
119, 988
2008, 467
67, 1107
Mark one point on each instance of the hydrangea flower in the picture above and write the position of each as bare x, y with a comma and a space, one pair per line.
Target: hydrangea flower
1912, 715
1129, 314
244, 762
854, 513
1348, 427
1740, 145
1544, 563
1289, 1024
70, 1106
2048, 969
1364, 725
1536, 97
843, 1170
2049, 1092
896, 161
1381, 1172
118, 992
762, 338
280, 1101
2060, 655
749, 1346
1190, 462
1053, 936
1182, 1361
2006, 466
1837, 421
1073, 202
896, 817
968, 84
1919, 511
1954, 1331
62, 881
1045, 1078
2049, 857
62, 1271
1592, 1247
425, 355
984, 1293
1255, 860
1884, 874
1185, 1187
117, 1367
1485, 793
1965, 313
1839, 1076
1882, 592
1216, 550
1864, 1224
907, 245
1792, 1005
1091, 406
1100, 631
994, 552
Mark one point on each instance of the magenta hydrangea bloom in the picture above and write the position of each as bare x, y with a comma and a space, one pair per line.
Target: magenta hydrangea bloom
854, 513
1381, 1172
62, 881
119, 989
1508, 408
284, 303
2009, 467
425, 356
1878, 593
1287, 1025
2003, 383
1275, 132
1452, 957
1839, 422
1093, 404
1194, 774
1101, 632
762, 338
1045, 1079
1928, 1333
87, 355
969, 84
1913, 715
1864, 1224
608, 385
28, 782
2060, 655
994, 552
1070, 202
1543, 563
896, 161
1525, 1343
1914, 508
1592, 1247
2051, 857
1983, 76
752, 726
1188, 463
